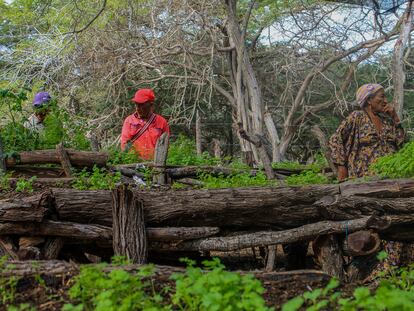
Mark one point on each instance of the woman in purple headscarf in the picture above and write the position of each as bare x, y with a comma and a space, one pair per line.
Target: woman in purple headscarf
35, 121
366, 134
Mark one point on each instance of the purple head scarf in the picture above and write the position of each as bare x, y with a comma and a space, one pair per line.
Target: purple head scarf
40, 99
365, 91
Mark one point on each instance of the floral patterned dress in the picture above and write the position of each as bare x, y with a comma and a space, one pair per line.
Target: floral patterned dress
356, 144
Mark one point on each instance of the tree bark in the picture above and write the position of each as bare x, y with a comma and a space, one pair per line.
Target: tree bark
198, 134
316, 130
266, 238
329, 255
64, 159
160, 159
398, 74
52, 248
129, 235
77, 158
33, 208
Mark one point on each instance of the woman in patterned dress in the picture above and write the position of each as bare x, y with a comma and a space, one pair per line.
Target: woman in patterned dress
363, 137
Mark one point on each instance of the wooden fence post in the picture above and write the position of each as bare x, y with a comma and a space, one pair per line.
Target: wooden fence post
160, 159
64, 159
128, 228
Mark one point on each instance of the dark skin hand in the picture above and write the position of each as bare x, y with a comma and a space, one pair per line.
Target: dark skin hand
145, 110
377, 104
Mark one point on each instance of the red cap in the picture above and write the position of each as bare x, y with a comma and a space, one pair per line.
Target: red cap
144, 95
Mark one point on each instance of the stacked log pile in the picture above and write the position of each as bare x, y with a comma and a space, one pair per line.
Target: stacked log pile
209, 220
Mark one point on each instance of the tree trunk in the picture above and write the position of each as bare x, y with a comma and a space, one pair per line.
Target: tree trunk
274, 137
198, 134
398, 74
316, 130
129, 235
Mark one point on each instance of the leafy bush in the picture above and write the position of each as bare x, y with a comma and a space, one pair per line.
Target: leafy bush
95, 180
395, 292
235, 180
307, 178
216, 289
8, 285
4, 180
183, 152
116, 290
195, 289
25, 185
117, 156
397, 165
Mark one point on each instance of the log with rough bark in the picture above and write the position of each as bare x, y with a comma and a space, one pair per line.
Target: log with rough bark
129, 235
266, 238
254, 207
162, 273
329, 255
77, 158
39, 171
33, 208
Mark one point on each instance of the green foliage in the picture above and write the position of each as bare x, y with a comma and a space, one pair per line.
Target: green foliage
210, 289
25, 185
96, 180
307, 178
395, 292
4, 180
21, 307
183, 152
8, 285
59, 126
216, 289
397, 165
235, 180
117, 156
116, 290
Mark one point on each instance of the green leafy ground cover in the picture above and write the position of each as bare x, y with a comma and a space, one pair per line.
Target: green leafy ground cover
395, 292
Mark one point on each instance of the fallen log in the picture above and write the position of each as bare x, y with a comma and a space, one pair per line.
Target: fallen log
162, 273
328, 254
33, 208
89, 232
77, 158
40, 172
254, 207
266, 238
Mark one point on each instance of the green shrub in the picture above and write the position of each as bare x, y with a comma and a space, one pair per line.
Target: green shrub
183, 152
397, 165
117, 290
206, 290
25, 185
235, 180
96, 180
8, 285
395, 292
307, 178
216, 289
